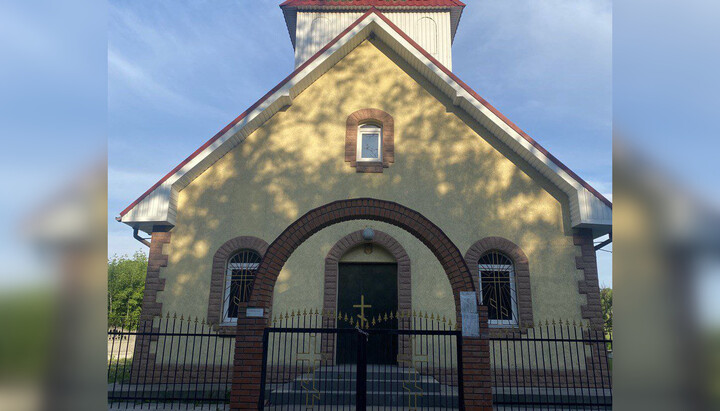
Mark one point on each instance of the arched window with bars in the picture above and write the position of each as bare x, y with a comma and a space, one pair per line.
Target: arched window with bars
499, 290
239, 276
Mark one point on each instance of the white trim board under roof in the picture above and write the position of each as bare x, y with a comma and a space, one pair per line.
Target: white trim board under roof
158, 205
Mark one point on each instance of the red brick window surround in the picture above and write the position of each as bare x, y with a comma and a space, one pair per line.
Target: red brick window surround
507, 253
376, 117
218, 281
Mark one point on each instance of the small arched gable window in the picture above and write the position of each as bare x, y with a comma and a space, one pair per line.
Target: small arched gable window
239, 276
369, 143
499, 289
370, 140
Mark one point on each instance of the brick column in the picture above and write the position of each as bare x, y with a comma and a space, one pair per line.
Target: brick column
150, 307
247, 368
589, 285
477, 384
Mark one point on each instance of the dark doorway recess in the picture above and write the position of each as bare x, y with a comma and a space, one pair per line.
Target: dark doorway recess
369, 290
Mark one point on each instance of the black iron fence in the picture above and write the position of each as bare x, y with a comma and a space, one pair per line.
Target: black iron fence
552, 365
412, 360
168, 360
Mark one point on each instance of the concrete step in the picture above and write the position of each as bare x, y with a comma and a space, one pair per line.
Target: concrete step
386, 386
426, 384
379, 398
507, 396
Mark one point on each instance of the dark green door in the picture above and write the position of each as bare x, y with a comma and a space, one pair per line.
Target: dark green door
368, 289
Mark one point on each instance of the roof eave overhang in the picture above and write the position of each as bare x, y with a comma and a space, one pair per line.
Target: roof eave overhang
290, 14
588, 209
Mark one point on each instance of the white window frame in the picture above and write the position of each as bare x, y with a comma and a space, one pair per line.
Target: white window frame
369, 128
228, 286
510, 269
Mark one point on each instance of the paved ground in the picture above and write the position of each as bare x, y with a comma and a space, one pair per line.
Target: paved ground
179, 407
167, 407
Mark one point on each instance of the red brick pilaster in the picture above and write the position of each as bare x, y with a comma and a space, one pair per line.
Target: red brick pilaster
477, 383
247, 368
589, 285
150, 307
153, 283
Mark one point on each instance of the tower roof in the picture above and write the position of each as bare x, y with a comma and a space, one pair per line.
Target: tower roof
373, 3
291, 7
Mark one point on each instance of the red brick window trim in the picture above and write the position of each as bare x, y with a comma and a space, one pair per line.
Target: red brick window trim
378, 118
216, 302
521, 270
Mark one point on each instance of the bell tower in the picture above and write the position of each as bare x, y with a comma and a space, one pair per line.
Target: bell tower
430, 23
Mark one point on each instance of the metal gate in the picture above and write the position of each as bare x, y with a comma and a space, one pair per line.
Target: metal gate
302, 368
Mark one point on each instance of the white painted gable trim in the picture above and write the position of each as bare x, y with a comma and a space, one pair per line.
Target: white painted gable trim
159, 207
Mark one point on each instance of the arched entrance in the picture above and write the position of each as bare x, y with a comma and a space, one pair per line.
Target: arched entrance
393, 266
248, 365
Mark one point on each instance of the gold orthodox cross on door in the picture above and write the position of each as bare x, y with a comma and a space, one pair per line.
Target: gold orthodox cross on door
362, 306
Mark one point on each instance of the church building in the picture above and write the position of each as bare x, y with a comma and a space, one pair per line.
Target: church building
371, 181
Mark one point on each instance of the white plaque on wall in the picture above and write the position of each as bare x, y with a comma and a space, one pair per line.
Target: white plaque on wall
469, 314
254, 312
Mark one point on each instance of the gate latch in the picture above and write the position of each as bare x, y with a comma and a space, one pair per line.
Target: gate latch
362, 332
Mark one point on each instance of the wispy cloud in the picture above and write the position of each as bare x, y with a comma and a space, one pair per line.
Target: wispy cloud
126, 185
604, 187
550, 58
128, 77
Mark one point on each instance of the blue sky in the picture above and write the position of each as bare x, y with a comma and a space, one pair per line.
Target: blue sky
179, 71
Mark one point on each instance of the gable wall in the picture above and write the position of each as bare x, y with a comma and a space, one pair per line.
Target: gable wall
461, 181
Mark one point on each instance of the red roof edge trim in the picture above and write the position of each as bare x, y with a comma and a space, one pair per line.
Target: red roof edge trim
246, 112
497, 112
424, 53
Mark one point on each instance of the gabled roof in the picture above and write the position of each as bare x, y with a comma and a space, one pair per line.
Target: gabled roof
290, 8
588, 208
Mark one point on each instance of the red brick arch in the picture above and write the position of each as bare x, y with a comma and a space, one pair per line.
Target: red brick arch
248, 345
389, 212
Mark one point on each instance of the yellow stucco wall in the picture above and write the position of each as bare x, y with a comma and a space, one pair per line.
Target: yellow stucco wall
447, 167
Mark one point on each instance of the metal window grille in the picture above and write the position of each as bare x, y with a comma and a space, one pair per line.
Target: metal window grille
497, 281
239, 277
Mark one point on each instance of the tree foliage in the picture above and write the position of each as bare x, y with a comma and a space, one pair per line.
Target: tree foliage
126, 285
606, 301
